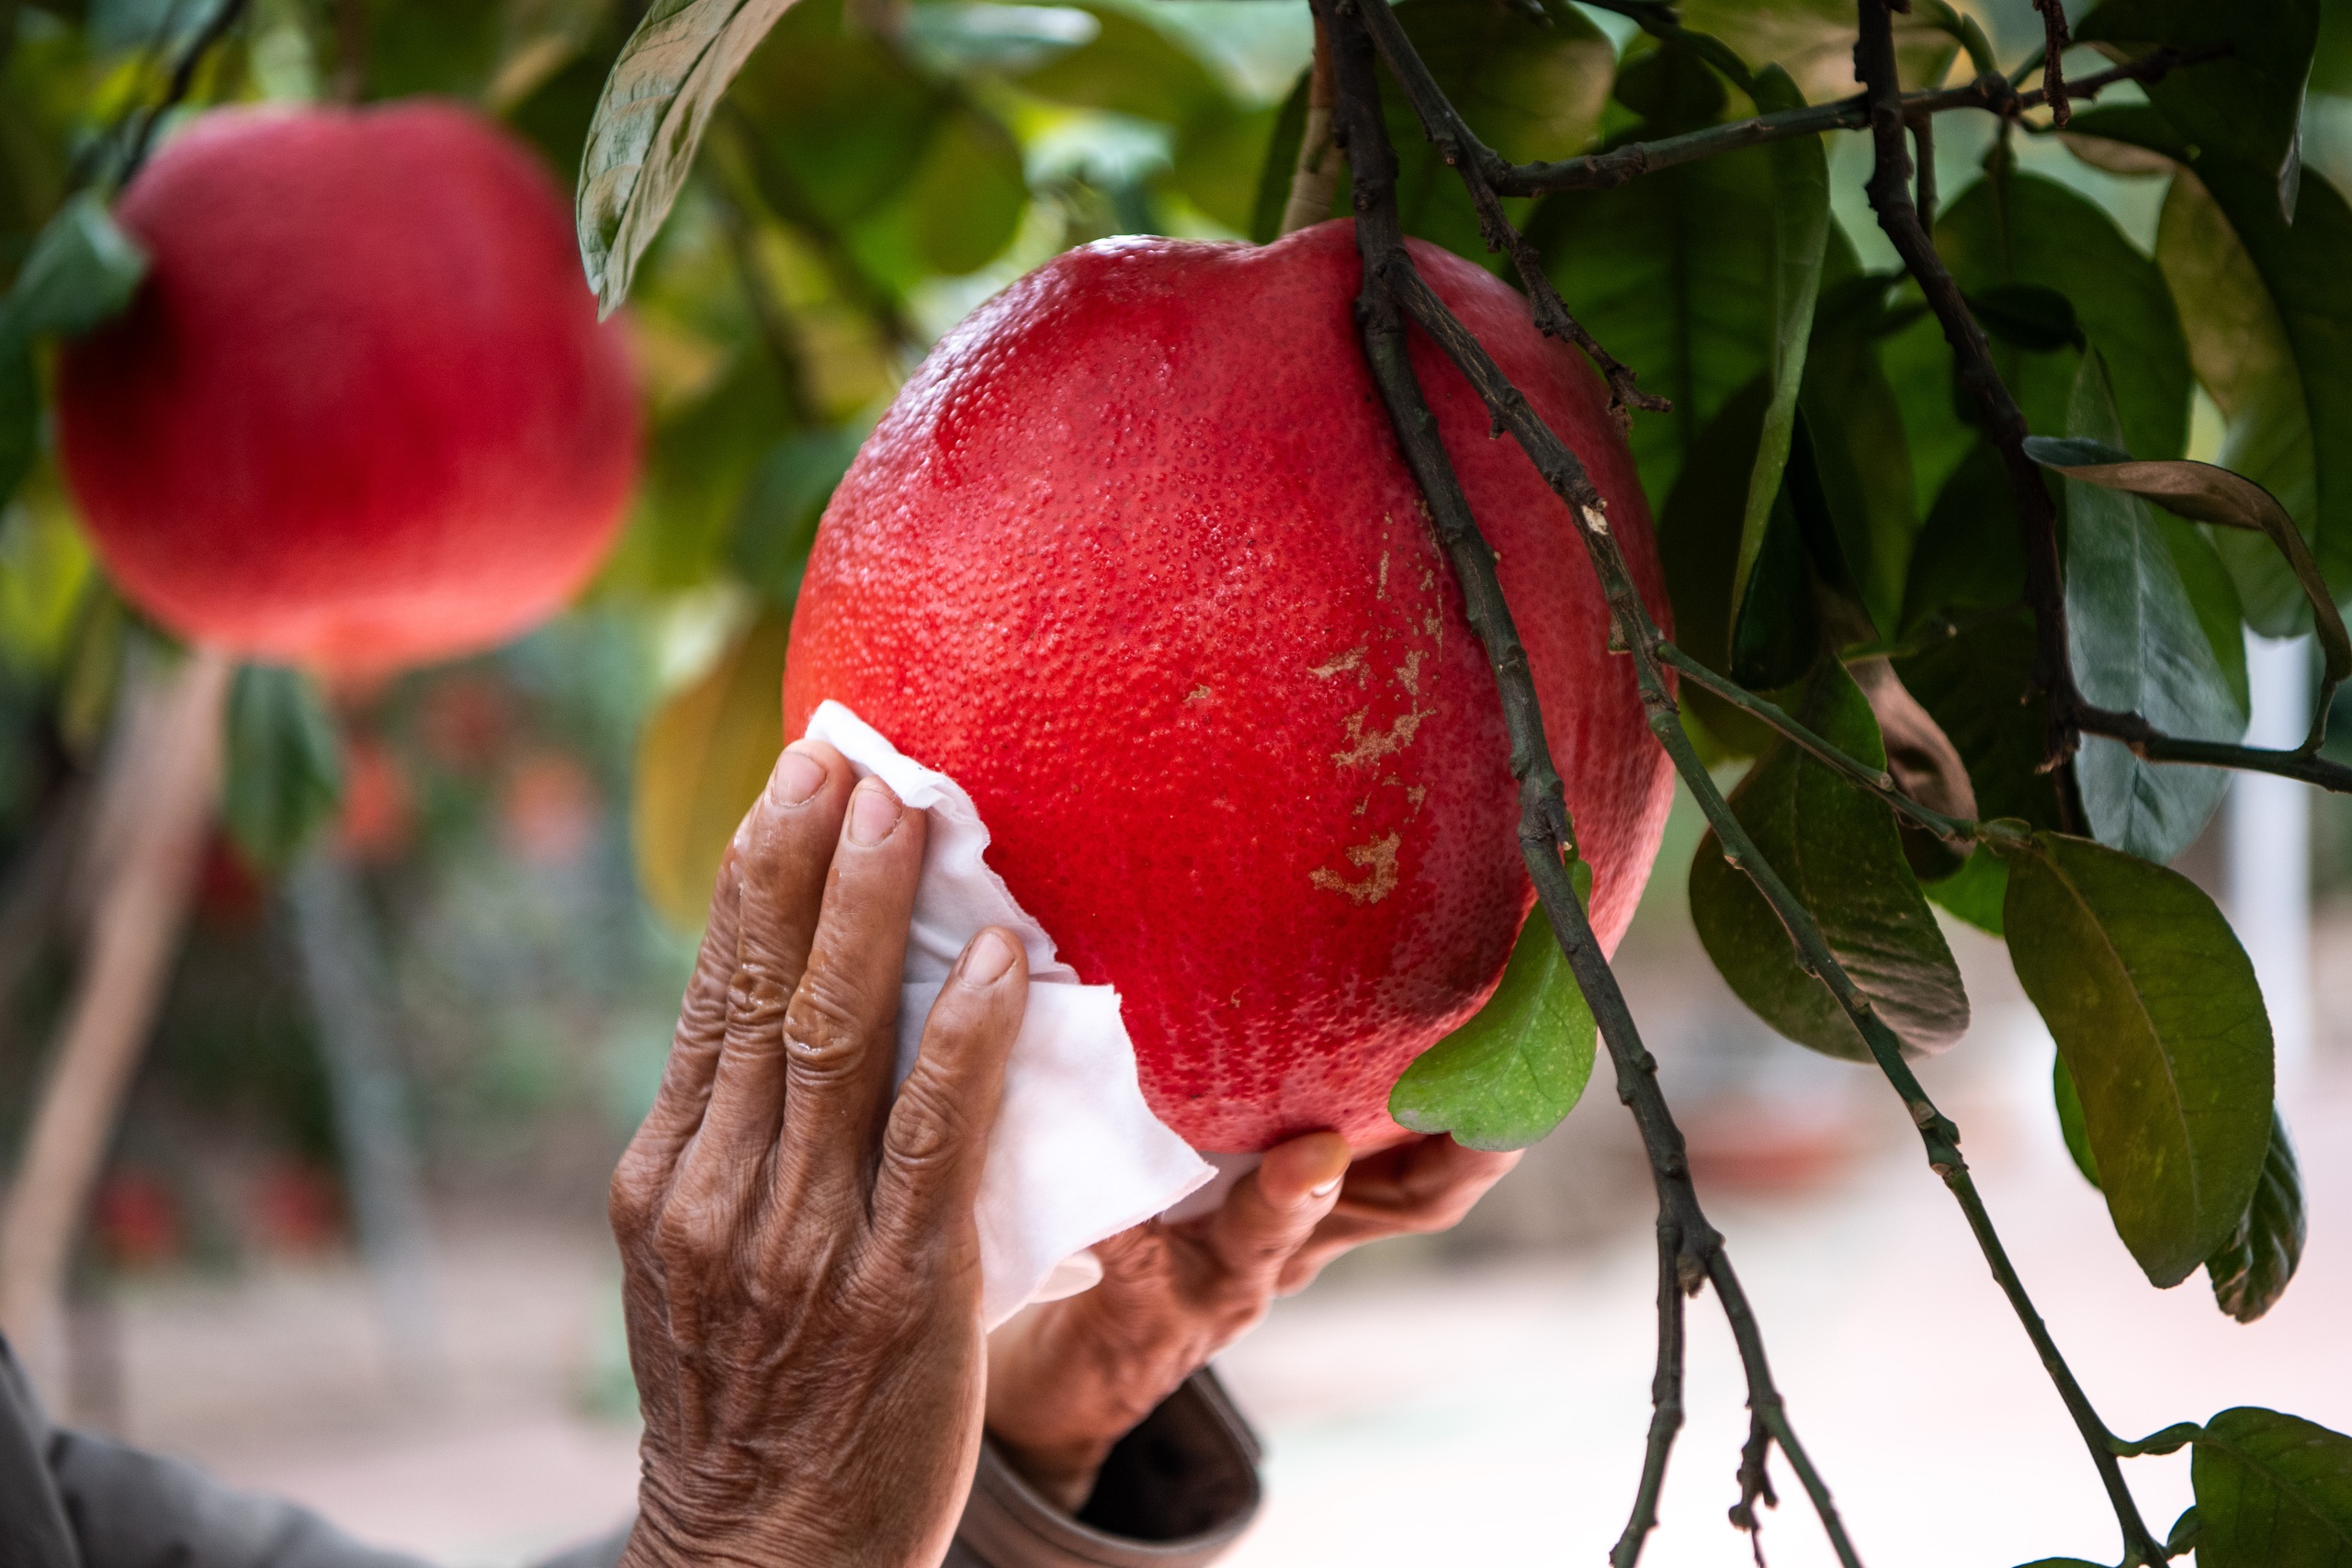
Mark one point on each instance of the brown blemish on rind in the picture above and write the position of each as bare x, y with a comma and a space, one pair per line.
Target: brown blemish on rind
1378, 859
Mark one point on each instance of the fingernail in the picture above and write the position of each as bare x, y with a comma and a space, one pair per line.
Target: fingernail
990, 957
1326, 1189
797, 776
873, 812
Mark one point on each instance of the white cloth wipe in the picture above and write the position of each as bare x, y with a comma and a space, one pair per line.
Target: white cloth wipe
1077, 1156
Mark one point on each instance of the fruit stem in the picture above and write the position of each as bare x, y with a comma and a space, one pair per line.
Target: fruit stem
1690, 1252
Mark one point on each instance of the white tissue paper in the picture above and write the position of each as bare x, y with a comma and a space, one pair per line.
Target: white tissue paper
1077, 1156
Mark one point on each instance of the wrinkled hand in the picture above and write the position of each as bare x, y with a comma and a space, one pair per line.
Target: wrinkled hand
802, 1265
1068, 1378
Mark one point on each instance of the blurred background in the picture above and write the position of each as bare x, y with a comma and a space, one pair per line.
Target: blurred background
349, 1243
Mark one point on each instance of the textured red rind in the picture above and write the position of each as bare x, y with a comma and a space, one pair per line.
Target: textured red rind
1135, 559
360, 413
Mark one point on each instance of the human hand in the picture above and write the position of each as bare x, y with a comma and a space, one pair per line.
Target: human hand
1068, 1378
801, 1264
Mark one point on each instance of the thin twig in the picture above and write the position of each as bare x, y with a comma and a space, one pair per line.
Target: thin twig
1460, 146
1602, 171
2004, 421
2055, 41
1666, 1396
1923, 148
1546, 834
176, 88
2146, 740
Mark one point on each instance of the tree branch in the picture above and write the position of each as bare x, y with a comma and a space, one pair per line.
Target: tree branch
2053, 75
1642, 638
2146, 740
1461, 148
1691, 1251
1602, 171
2004, 423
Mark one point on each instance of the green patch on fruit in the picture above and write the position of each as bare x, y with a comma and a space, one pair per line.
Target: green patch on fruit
1516, 1069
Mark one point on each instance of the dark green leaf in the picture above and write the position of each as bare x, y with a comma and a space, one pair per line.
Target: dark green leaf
1132, 68
966, 197
1802, 589
285, 769
1219, 158
2272, 1491
1508, 1075
2026, 315
2247, 105
2268, 311
1529, 89
2070, 1121
1861, 451
1974, 892
650, 120
2049, 271
2182, 1536
1673, 272
1698, 541
778, 521
1968, 560
81, 270
1974, 683
2156, 1010
2251, 1271
19, 415
1836, 849
2205, 493
1800, 238
2138, 647
838, 122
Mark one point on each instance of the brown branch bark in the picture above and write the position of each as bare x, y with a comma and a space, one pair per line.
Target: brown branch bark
2004, 423
1691, 1252
1315, 179
167, 763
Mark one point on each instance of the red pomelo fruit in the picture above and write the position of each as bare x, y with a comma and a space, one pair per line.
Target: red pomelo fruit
360, 413
1134, 560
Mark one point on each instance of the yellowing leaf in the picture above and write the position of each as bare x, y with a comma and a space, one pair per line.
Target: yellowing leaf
702, 761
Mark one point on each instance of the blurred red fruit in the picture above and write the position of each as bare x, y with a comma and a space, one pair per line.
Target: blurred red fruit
1135, 559
374, 823
360, 413
229, 892
295, 1208
136, 1219
463, 721
549, 809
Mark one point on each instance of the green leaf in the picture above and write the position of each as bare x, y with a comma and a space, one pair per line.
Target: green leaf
2156, 1011
2138, 645
2203, 492
2272, 1491
1220, 158
966, 197
1519, 1066
2050, 273
778, 521
1800, 238
285, 767
2182, 1538
82, 271
650, 120
1130, 67
2268, 311
1673, 272
1974, 683
1975, 892
1531, 81
2248, 104
1862, 449
19, 415
2070, 1121
2251, 1271
1838, 850
2026, 315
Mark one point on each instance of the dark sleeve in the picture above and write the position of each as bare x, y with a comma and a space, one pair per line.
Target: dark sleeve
1178, 1492
68, 1500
